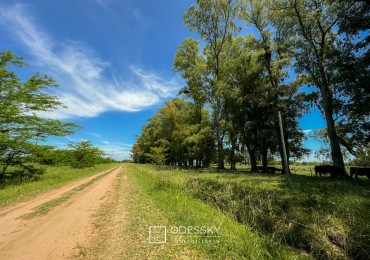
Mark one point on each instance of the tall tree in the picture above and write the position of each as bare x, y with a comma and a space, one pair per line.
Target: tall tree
213, 20
351, 60
310, 29
20, 102
192, 66
276, 58
174, 131
246, 107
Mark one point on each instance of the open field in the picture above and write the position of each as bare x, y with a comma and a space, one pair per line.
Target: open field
261, 215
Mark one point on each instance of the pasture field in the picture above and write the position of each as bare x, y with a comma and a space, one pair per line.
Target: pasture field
53, 178
262, 216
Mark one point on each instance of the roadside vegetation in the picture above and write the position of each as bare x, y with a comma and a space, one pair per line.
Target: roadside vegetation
52, 178
142, 199
122, 226
261, 215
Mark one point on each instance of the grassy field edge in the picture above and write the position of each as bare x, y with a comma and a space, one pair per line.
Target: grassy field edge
183, 210
53, 178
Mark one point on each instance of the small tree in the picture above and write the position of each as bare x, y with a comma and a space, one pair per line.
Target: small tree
85, 154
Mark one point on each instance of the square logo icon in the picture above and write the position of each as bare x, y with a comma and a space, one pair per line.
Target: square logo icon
157, 235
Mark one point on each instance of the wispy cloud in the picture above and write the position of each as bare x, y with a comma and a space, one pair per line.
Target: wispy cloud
307, 131
131, 12
76, 140
84, 87
118, 151
139, 17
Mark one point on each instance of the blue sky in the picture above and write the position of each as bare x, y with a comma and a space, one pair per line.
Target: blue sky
112, 60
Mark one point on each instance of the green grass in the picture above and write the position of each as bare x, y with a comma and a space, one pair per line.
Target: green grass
53, 177
261, 215
167, 190
122, 225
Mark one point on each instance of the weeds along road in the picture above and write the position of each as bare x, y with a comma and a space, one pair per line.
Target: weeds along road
56, 224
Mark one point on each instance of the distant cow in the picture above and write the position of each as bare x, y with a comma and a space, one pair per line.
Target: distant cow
359, 171
334, 171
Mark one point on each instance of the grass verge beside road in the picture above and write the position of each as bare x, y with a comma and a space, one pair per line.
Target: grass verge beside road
53, 178
182, 215
122, 226
261, 215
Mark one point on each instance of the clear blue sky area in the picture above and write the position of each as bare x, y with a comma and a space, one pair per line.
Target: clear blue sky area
112, 60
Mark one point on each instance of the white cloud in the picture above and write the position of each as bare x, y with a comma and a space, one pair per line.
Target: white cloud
84, 88
307, 131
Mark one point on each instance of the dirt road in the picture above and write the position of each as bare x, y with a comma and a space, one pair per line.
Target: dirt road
60, 233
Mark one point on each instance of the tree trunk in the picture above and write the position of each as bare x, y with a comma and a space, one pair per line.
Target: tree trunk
264, 159
253, 159
220, 151
336, 153
232, 159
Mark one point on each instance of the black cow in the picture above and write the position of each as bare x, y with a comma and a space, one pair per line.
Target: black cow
359, 171
334, 171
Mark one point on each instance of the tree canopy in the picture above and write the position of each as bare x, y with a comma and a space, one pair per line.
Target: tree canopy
237, 82
21, 126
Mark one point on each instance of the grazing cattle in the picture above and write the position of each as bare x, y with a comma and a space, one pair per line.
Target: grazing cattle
359, 171
334, 171
322, 169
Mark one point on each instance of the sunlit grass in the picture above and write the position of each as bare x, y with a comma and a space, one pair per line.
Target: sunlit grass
320, 216
167, 189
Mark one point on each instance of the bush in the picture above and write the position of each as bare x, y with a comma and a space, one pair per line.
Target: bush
21, 174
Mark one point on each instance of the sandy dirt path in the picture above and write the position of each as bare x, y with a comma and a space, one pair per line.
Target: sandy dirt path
60, 233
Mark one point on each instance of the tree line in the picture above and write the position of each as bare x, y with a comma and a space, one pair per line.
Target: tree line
254, 59
22, 127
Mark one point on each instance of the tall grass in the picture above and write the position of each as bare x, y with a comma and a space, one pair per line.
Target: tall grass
237, 241
325, 218
52, 178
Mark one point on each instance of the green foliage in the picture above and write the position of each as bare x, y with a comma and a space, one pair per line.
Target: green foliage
363, 158
21, 126
244, 80
332, 53
157, 155
84, 154
175, 135
51, 156
22, 173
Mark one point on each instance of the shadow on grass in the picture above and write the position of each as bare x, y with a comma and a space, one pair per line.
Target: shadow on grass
328, 218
